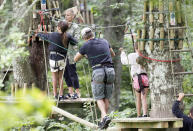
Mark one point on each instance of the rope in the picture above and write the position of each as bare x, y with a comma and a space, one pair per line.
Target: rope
152, 59
48, 91
94, 26
93, 97
88, 93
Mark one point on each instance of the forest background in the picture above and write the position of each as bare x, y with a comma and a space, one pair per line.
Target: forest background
128, 11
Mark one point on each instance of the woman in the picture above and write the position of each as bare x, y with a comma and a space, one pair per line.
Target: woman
58, 45
70, 74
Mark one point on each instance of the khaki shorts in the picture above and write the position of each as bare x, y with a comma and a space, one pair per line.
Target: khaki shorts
102, 83
57, 65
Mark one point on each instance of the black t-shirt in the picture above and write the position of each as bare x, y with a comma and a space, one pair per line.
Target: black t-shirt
55, 43
97, 50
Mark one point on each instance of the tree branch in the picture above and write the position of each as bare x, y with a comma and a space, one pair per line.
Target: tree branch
3, 4
27, 10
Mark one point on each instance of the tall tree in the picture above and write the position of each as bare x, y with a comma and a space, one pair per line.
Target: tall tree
114, 13
157, 42
28, 69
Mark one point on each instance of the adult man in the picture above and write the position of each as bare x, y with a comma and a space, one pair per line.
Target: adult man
187, 120
70, 74
99, 55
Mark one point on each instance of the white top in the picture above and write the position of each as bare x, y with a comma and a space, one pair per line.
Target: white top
131, 60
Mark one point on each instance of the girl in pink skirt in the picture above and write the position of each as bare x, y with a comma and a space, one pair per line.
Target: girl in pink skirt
140, 79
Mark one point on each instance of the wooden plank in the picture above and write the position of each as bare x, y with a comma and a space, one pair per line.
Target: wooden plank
185, 50
74, 118
185, 95
121, 129
143, 124
175, 124
183, 73
175, 28
79, 100
148, 122
74, 103
146, 119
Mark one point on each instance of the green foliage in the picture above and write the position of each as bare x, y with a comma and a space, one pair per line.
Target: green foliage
12, 43
30, 110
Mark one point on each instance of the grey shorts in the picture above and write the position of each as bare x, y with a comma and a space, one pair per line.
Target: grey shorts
102, 83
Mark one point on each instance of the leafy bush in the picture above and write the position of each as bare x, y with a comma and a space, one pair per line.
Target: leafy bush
29, 110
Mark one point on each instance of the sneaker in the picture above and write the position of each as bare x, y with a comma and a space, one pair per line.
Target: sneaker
67, 96
61, 98
56, 97
75, 96
144, 115
101, 125
105, 122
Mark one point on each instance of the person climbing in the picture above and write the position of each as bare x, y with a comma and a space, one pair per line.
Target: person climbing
58, 44
140, 78
187, 120
99, 54
70, 74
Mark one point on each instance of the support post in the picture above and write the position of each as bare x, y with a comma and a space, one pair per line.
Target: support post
142, 45
24, 89
151, 36
12, 89
16, 88
161, 9
161, 37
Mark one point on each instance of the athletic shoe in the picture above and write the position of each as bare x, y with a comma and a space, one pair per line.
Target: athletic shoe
75, 96
105, 123
67, 96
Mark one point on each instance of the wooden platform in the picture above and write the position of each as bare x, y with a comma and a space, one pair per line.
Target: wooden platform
69, 103
146, 124
74, 103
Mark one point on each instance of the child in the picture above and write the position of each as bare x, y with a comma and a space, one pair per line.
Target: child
140, 79
58, 45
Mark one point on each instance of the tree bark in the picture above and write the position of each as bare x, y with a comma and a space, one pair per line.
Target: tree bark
21, 66
30, 69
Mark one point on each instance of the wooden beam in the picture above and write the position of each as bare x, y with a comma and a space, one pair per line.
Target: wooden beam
183, 73
143, 125
185, 95
187, 50
121, 129
74, 118
148, 122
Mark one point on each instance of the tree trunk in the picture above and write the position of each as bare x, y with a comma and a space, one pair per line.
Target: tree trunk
21, 66
163, 84
115, 36
30, 69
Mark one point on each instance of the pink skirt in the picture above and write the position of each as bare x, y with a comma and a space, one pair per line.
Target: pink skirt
145, 82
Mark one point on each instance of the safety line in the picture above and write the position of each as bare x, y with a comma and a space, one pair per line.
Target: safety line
140, 54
